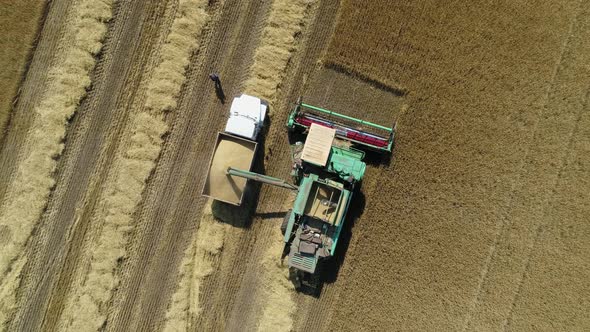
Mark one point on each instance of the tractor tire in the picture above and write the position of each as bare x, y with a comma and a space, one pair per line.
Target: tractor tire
285, 222
314, 284
295, 277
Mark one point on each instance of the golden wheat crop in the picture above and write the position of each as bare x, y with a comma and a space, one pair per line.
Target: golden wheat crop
197, 264
28, 191
363, 42
169, 76
8, 291
462, 232
116, 216
279, 306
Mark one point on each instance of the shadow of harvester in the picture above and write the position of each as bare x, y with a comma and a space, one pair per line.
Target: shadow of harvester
331, 267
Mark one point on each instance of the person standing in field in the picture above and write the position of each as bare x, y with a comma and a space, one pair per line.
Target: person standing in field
218, 88
214, 77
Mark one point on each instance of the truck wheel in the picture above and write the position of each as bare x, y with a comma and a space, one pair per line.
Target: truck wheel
285, 222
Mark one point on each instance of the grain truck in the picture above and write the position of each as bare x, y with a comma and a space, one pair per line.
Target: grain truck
235, 147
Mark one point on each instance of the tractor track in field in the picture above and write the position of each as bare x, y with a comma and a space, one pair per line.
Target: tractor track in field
91, 141
172, 204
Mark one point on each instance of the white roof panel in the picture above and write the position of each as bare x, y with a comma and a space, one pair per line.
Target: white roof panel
241, 126
246, 105
246, 115
318, 144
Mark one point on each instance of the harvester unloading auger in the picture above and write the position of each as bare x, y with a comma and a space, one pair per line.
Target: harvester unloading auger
326, 174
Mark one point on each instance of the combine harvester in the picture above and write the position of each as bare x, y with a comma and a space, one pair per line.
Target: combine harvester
327, 168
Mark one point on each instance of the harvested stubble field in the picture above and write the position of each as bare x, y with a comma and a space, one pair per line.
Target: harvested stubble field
478, 222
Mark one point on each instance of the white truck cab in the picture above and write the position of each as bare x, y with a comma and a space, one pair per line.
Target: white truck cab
246, 116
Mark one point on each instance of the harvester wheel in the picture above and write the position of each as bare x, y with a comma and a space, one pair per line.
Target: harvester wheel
285, 222
295, 277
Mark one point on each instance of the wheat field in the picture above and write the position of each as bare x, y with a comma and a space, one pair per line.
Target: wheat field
467, 230
476, 222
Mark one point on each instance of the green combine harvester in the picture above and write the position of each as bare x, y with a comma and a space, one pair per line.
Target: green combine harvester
327, 168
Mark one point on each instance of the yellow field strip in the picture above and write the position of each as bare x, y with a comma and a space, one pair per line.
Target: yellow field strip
10, 284
197, 263
278, 43
134, 167
279, 307
67, 83
116, 217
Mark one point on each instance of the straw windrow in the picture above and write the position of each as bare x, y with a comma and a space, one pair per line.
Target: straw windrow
68, 80
133, 166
